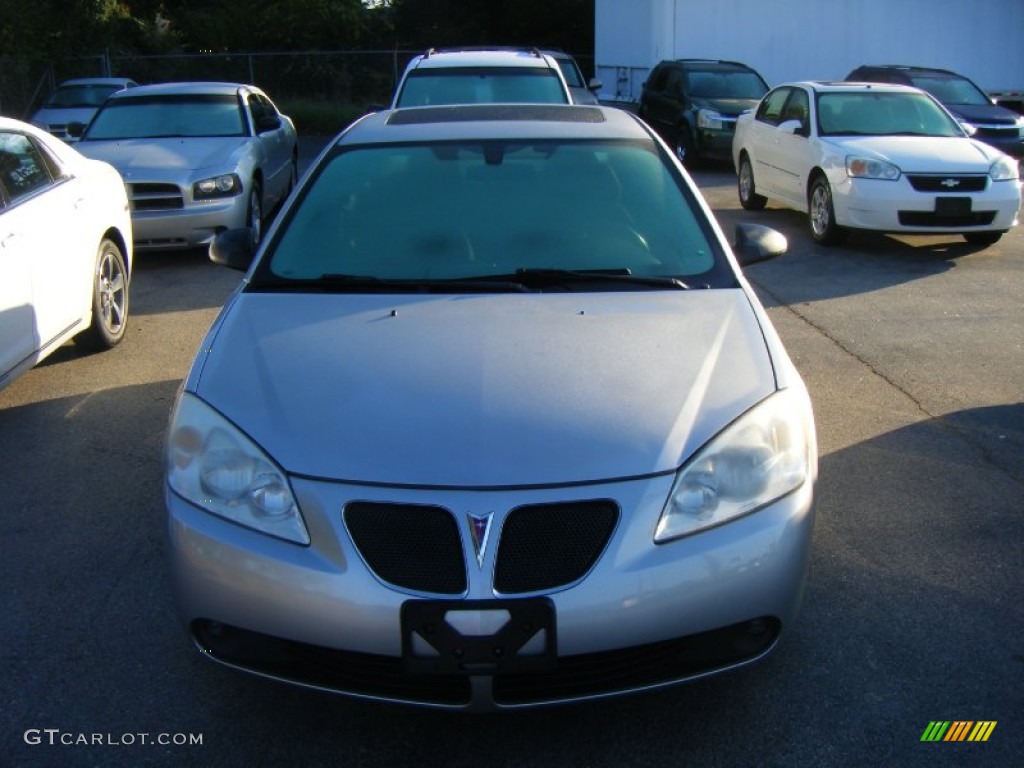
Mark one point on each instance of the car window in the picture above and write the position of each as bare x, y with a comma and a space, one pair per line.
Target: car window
797, 107
24, 169
770, 108
571, 73
950, 90
482, 85
74, 96
168, 115
675, 82
470, 210
883, 114
725, 84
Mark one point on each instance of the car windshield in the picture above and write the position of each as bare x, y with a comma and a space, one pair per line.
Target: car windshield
883, 114
725, 84
481, 85
950, 90
75, 96
473, 211
152, 117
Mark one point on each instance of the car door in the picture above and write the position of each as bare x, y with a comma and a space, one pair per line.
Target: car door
762, 142
662, 95
274, 148
46, 258
792, 148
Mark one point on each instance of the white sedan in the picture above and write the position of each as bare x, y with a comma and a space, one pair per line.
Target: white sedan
65, 249
887, 158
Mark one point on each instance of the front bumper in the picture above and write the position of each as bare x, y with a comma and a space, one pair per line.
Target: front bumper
641, 617
193, 226
895, 206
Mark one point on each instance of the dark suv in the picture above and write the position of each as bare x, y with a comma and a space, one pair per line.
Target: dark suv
694, 103
995, 125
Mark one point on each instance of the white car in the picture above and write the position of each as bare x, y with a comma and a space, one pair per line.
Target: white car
481, 76
76, 101
65, 249
887, 158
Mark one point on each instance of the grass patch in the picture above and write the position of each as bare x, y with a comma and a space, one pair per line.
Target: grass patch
316, 117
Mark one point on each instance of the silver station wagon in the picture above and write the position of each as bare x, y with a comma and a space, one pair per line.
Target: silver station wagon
493, 421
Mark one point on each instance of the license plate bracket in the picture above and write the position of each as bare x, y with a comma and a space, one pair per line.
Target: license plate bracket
952, 206
433, 645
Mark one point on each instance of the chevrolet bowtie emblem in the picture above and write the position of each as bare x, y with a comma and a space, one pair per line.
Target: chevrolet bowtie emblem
950, 183
479, 532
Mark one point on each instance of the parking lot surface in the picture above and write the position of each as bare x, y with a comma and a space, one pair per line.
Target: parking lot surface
913, 350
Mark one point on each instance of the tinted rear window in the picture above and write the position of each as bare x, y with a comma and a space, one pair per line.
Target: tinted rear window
484, 85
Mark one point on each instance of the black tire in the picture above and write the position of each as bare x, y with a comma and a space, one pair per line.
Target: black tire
821, 215
983, 238
254, 218
684, 148
749, 198
110, 295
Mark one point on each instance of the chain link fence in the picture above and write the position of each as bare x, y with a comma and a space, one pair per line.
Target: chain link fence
357, 78
346, 77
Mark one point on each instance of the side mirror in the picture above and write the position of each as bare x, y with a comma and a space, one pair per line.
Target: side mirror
233, 248
793, 126
595, 85
75, 130
756, 242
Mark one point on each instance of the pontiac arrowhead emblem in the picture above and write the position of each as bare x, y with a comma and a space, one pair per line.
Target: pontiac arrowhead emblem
479, 532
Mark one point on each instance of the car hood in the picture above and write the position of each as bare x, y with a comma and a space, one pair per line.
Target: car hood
726, 106
141, 155
986, 114
925, 154
485, 391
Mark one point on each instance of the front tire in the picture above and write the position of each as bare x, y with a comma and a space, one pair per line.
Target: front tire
684, 148
109, 298
255, 214
749, 198
983, 238
821, 214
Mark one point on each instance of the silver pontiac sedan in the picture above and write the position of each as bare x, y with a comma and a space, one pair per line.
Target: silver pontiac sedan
196, 158
493, 421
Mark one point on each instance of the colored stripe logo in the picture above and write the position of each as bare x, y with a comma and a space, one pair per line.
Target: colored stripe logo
958, 730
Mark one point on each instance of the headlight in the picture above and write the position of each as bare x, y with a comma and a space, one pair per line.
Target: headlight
707, 118
215, 466
227, 185
756, 460
869, 168
1003, 169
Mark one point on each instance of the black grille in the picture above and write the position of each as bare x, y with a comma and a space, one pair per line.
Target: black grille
929, 219
413, 547
363, 674
155, 197
642, 666
947, 183
549, 545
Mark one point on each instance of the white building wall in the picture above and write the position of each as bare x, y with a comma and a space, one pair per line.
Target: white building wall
810, 39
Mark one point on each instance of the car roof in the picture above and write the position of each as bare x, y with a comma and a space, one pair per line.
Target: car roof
851, 86
122, 81
185, 89
713, 63
482, 57
494, 121
909, 68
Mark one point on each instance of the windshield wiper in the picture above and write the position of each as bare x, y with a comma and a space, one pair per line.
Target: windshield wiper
344, 283
620, 276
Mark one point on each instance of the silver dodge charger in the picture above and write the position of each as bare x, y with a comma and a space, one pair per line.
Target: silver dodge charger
493, 421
